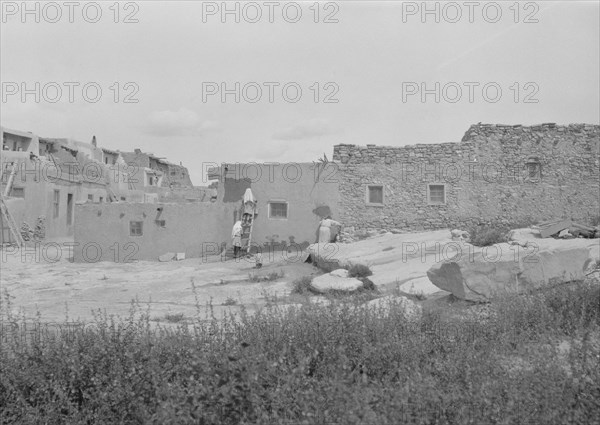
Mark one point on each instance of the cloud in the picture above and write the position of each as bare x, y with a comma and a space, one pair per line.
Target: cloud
183, 122
305, 130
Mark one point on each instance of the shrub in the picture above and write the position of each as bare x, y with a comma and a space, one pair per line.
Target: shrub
302, 285
174, 318
368, 284
230, 301
495, 232
336, 364
358, 270
487, 235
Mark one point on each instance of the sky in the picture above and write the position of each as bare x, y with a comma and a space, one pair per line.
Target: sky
212, 82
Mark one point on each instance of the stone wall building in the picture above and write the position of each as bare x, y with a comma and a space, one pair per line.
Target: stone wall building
496, 173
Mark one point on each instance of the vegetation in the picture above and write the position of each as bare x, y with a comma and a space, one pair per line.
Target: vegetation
230, 301
268, 278
495, 232
302, 285
523, 359
174, 317
358, 270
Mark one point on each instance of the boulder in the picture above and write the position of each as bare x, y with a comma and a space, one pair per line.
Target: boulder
503, 268
523, 235
457, 234
564, 234
330, 282
383, 305
166, 257
339, 273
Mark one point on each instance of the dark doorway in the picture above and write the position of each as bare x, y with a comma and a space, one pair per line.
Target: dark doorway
69, 209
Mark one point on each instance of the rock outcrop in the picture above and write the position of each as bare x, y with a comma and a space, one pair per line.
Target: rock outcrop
505, 268
333, 282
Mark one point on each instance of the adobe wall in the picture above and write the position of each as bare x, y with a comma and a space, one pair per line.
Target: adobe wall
486, 177
306, 190
40, 179
102, 231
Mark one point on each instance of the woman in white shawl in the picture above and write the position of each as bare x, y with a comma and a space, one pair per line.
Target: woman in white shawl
325, 229
236, 236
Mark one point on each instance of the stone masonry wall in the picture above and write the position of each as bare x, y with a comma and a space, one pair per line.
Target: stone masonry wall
496, 173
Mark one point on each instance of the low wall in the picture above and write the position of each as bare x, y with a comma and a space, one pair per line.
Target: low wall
103, 233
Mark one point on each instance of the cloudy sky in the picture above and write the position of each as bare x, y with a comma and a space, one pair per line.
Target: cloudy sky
364, 73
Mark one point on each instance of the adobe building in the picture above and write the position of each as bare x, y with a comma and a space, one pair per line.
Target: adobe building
52, 175
49, 177
291, 200
496, 173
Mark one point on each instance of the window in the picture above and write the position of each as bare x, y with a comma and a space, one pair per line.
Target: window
101, 199
136, 228
436, 194
278, 210
375, 195
17, 192
123, 198
534, 168
56, 202
91, 198
161, 223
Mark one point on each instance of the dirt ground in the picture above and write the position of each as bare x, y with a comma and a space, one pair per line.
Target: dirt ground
59, 290
63, 289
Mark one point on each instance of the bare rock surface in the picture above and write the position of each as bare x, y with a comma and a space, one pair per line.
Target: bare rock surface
419, 286
333, 282
505, 268
393, 258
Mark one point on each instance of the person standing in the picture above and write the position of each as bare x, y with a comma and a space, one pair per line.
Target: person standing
325, 229
236, 236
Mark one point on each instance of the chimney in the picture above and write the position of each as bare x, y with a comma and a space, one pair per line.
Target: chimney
94, 143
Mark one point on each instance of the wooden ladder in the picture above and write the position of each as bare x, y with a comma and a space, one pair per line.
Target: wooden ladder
12, 225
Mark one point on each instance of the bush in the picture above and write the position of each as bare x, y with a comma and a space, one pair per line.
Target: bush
494, 232
358, 270
174, 318
487, 235
337, 364
230, 301
302, 285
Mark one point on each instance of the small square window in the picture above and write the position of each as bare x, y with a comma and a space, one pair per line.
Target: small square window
136, 228
278, 210
534, 170
91, 198
161, 223
436, 194
375, 195
123, 198
17, 192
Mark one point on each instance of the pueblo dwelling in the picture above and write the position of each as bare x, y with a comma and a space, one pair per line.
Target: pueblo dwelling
495, 173
43, 179
123, 206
